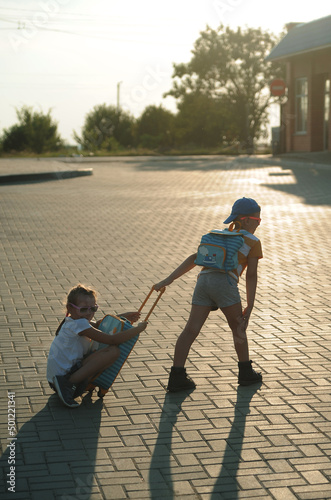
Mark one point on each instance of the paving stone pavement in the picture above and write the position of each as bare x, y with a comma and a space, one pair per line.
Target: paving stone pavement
120, 230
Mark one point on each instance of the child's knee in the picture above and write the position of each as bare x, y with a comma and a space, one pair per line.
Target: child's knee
239, 334
190, 331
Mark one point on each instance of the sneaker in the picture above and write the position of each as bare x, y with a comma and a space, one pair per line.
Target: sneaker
65, 391
247, 375
179, 380
81, 388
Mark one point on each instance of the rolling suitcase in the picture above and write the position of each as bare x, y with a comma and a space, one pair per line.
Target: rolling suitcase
114, 324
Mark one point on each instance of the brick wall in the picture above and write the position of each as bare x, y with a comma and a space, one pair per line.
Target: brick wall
316, 67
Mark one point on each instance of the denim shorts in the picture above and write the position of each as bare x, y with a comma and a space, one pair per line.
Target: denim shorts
216, 290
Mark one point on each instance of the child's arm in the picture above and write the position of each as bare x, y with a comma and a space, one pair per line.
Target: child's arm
251, 283
130, 316
184, 267
116, 339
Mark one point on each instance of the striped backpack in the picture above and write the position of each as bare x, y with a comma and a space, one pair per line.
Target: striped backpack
218, 249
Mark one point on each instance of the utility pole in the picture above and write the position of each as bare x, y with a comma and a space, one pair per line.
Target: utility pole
118, 96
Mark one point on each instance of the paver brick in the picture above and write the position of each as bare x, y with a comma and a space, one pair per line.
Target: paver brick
282, 493
121, 230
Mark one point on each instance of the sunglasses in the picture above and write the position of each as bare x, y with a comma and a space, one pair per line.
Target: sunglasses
254, 218
84, 310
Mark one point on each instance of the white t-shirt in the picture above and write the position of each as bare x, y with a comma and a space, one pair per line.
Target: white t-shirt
68, 347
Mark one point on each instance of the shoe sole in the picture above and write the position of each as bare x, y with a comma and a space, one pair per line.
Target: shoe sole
58, 390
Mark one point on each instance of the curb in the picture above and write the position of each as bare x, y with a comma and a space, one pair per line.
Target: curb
43, 176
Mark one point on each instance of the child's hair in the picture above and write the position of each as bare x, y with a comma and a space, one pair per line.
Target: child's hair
80, 290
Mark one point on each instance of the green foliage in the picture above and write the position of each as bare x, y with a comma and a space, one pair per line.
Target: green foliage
229, 69
222, 98
36, 132
154, 128
202, 121
106, 128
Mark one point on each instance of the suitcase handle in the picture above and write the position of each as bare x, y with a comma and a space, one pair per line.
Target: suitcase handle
161, 292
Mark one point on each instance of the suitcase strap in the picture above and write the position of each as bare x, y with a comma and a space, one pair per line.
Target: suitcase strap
160, 293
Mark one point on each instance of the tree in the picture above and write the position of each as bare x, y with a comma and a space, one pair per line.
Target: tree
154, 128
106, 128
229, 67
36, 132
202, 121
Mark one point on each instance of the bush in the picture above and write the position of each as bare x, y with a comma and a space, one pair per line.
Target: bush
36, 132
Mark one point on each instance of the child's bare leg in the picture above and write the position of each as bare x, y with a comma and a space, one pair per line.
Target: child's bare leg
232, 313
197, 317
247, 375
178, 379
95, 363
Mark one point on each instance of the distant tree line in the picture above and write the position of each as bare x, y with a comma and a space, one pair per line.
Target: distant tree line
222, 97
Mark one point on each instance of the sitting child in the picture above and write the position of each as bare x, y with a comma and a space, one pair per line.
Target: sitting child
71, 363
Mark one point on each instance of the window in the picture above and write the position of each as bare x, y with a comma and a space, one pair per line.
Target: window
301, 105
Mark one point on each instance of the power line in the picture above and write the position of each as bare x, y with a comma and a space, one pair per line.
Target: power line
92, 34
86, 18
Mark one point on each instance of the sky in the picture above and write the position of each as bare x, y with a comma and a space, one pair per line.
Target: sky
68, 56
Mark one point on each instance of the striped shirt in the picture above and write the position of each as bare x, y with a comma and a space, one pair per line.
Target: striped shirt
251, 248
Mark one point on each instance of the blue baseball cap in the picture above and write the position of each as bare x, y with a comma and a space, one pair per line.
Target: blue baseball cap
243, 206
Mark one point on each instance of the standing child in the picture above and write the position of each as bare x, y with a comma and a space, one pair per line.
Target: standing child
219, 289
71, 364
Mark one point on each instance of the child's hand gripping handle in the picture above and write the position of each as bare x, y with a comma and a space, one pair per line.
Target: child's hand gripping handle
161, 292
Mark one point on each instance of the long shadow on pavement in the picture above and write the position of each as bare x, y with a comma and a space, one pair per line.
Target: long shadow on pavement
226, 485
312, 186
191, 164
160, 483
54, 453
